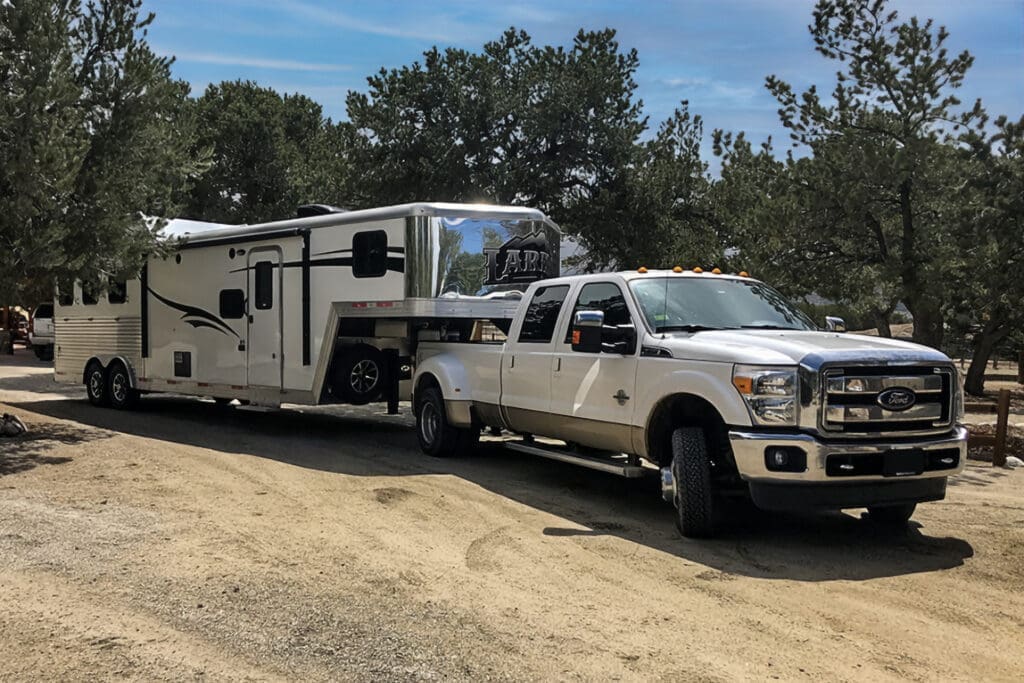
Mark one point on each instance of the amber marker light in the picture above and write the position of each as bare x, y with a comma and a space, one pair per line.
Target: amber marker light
744, 273
641, 269
677, 269
744, 384
717, 271
698, 269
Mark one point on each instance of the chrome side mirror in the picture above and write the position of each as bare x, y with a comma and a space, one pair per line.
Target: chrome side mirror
587, 327
835, 324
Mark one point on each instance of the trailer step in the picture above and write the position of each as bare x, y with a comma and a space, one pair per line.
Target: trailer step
613, 464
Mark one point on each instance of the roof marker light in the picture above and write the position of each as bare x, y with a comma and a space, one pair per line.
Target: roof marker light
744, 273
642, 269
698, 269
677, 269
717, 271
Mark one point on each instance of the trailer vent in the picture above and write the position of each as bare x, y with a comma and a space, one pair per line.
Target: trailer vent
182, 363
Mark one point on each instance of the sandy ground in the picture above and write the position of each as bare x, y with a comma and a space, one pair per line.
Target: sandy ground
184, 541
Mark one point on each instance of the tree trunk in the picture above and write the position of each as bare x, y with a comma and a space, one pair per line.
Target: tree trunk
985, 343
928, 321
882, 324
926, 309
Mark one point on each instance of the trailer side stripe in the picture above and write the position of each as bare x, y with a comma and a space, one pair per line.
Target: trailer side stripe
200, 318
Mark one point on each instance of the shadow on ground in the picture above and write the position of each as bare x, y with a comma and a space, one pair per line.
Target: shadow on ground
29, 450
819, 547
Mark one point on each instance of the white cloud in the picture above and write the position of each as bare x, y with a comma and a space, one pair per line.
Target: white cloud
257, 62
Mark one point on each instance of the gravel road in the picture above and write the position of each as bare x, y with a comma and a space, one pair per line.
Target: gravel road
187, 541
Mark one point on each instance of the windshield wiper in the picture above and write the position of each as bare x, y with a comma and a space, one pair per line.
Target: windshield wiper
767, 327
688, 328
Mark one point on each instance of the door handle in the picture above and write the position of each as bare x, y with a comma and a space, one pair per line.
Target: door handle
241, 345
513, 363
558, 364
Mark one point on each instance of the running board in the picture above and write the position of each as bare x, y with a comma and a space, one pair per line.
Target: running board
612, 464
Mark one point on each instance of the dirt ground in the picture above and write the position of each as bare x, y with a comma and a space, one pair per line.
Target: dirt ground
183, 541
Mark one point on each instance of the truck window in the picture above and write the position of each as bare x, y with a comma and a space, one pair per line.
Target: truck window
601, 296
43, 311
542, 314
370, 253
264, 296
117, 291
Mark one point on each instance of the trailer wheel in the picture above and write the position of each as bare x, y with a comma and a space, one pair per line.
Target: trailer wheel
120, 393
358, 375
436, 436
691, 471
96, 384
891, 515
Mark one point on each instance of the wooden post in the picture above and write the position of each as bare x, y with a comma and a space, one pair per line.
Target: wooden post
1002, 418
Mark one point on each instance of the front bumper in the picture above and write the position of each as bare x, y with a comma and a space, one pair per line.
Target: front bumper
818, 487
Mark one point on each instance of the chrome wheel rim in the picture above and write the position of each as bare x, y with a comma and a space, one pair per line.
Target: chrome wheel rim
118, 389
96, 383
430, 422
364, 376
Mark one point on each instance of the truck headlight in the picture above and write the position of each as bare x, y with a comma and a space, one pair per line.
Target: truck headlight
770, 393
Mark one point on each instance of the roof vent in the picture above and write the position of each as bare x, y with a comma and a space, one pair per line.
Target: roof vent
309, 210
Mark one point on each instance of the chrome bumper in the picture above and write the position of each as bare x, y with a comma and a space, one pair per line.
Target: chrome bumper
748, 449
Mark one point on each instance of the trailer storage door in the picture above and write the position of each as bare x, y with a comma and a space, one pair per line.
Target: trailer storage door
264, 340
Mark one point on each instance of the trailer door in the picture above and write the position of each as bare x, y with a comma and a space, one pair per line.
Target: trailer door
265, 358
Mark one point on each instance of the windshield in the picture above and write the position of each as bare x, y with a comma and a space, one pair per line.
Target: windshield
712, 303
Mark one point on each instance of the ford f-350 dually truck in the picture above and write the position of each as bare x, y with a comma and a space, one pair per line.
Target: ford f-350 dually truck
716, 380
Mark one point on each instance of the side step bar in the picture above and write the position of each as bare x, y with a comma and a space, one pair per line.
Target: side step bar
616, 464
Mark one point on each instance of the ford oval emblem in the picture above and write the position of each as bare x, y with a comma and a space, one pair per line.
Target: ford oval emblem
897, 398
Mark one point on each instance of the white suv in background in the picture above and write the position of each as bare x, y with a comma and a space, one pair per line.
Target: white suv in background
40, 334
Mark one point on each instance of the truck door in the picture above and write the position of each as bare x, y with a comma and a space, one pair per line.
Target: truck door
264, 348
526, 365
592, 393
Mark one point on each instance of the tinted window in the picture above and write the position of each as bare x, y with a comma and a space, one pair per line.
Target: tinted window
542, 314
89, 295
264, 296
232, 303
43, 311
65, 292
605, 297
117, 291
370, 253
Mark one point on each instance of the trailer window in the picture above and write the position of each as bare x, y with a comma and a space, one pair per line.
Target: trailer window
65, 292
117, 291
264, 296
542, 314
370, 253
89, 296
232, 304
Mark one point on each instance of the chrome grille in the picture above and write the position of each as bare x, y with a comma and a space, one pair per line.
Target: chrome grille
851, 399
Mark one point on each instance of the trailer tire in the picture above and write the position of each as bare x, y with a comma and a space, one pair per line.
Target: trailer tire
358, 375
120, 393
691, 471
437, 437
96, 384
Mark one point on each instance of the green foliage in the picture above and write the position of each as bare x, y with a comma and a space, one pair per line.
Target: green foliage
269, 154
94, 135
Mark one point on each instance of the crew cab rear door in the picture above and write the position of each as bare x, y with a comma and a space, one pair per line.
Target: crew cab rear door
592, 393
526, 365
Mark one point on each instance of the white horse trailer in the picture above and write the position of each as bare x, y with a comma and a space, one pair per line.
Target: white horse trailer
318, 309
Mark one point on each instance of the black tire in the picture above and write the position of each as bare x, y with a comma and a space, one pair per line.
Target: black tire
437, 437
892, 515
96, 384
43, 353
120, 393
358, 375
691, 470
222, 402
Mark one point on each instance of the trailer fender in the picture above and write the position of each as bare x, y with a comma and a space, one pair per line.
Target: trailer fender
451, 377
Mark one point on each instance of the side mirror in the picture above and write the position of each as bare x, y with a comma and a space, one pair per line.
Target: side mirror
619, 339
587, 327
835, 324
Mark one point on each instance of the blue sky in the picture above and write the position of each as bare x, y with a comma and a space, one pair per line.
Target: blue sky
714, 54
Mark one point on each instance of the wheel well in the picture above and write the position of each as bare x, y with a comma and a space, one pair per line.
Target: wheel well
684, 410
88, 364
425, 381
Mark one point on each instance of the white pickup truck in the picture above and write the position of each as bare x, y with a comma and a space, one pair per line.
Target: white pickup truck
715, 380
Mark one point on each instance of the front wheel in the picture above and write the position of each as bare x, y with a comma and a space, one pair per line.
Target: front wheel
436, 435
691, 472
892, 515
96, 384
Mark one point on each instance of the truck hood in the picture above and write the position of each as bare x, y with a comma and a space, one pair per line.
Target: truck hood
788, 347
